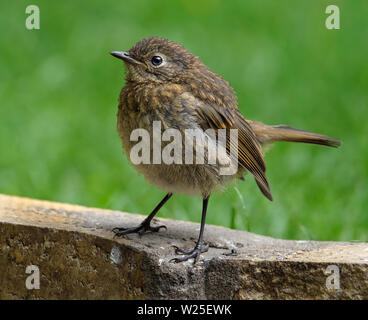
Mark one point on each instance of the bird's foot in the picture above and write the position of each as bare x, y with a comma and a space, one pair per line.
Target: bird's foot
189, 254
141, 229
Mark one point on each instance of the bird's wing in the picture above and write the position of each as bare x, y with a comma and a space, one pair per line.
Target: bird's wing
250, 154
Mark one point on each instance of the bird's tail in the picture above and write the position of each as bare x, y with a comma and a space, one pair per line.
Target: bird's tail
268, 134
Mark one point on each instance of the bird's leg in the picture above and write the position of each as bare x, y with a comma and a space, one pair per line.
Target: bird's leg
146, 223
199, 247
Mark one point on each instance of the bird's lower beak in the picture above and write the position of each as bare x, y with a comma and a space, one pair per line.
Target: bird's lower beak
124, 56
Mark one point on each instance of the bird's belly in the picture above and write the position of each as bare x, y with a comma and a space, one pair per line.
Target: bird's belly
191, 179
182, 179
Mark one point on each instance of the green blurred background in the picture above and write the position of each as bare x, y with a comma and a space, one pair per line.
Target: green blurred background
59, 89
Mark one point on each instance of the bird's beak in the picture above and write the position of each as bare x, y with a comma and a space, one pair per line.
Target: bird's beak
124, 56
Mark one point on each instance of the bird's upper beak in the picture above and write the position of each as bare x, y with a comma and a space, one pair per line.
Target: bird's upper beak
124, 56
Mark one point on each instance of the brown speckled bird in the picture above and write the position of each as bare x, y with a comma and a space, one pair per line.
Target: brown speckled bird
166, 83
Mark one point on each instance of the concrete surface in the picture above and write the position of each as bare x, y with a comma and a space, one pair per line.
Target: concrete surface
77, 258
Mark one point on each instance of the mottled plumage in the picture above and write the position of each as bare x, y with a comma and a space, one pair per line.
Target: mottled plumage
166, 83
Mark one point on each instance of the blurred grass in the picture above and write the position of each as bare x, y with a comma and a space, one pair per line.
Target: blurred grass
59, 89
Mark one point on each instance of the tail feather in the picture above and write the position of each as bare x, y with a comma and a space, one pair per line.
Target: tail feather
268, 134
265, 189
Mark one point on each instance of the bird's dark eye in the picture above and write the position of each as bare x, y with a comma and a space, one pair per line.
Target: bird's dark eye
156, 60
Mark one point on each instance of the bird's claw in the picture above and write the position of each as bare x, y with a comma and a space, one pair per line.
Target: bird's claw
141, 229
189, 254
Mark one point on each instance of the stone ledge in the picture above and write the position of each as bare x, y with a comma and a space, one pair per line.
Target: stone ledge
78, 259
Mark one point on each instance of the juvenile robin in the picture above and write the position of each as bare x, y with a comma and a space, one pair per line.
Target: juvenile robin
166, 84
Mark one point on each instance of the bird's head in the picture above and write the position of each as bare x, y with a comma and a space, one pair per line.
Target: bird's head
156, 59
